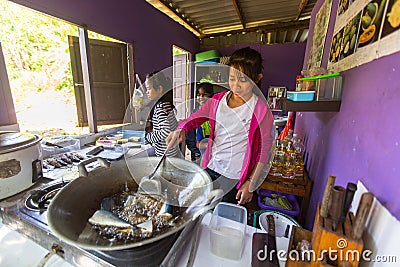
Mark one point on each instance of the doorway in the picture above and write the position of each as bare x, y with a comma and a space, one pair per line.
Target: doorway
181, 81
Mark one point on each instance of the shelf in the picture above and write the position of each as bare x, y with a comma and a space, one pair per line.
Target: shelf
297, 187
313, 106
223, 83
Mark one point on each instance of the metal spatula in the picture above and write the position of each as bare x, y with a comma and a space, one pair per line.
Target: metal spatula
150, 184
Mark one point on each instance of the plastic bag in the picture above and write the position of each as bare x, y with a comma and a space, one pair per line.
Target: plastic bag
289, 126
139, 98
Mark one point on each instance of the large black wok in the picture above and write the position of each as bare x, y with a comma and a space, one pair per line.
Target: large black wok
71, 208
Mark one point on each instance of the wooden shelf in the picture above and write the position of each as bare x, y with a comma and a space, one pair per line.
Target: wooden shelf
312, 106
297, 187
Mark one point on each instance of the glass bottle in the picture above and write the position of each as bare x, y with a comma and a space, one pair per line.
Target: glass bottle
299, 163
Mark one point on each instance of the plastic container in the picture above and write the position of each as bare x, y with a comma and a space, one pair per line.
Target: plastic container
64, 144
134, 135
300, 96
227, 230
299, 83
328, 87
209, 61
283, 223
262, 193
210, 55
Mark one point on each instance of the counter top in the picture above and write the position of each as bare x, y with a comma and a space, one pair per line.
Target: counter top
17, 250
72, 172
204, 257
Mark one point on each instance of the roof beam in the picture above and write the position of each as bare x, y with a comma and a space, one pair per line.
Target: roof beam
282, 26
302, 6
167, 5
239, 13
292, 35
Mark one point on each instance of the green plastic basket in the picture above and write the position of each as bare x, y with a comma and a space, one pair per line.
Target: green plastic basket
209, 55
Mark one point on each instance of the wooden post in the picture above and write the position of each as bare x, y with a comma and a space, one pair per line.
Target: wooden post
87, 79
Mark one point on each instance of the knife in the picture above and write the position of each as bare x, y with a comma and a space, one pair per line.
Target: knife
336, 208
362, 214
348, 199
271, 246
47, 143
327, 196
95, 151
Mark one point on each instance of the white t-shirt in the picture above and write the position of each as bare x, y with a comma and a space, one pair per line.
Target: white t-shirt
231, 133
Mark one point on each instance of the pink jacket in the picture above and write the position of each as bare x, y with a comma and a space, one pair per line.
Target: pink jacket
260, 134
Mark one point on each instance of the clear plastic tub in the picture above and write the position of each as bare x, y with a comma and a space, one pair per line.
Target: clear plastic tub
58, 145
227, 230
328, 87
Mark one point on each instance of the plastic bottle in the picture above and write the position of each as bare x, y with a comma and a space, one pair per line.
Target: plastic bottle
289, 136
298, 82
289, 161
299, 162
219, 78
276, 165
138, 95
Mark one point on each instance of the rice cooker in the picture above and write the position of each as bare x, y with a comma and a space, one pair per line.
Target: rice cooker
20, 162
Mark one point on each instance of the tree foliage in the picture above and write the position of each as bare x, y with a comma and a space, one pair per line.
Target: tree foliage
37, 44
36, 52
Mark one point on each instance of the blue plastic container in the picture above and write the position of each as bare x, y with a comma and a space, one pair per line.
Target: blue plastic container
262, 193
300, 96
209, 61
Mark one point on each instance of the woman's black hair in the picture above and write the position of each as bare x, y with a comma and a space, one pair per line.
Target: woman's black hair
208, 88
248, 61
157, 79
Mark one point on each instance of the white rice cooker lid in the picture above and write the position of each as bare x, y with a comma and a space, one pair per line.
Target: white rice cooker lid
11, 141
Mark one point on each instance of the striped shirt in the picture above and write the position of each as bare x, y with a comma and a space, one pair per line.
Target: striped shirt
164, 122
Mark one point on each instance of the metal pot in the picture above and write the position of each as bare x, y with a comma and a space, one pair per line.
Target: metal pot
20, 162
71, 208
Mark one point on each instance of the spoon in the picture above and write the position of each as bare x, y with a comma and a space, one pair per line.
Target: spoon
150, 184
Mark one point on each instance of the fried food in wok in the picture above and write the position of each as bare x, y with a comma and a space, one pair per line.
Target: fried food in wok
133, 216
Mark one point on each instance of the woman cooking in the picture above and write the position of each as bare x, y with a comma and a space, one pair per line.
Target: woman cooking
163, 120
242, 133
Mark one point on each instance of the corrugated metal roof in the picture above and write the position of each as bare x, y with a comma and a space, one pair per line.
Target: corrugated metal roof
275, 21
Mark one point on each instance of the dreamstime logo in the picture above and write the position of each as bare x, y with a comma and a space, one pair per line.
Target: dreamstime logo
341, 243
340, 254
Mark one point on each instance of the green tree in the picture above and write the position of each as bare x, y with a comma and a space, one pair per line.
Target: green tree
36, 51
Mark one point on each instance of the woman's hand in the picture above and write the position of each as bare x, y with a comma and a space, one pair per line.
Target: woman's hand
243, 193
175, 137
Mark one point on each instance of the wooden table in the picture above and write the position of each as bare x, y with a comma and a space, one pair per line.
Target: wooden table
297, 187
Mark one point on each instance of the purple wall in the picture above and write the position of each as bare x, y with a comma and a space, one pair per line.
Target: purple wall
361, 142
136, 21
282, 62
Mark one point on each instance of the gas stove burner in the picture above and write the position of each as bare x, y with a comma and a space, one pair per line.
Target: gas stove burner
40, 199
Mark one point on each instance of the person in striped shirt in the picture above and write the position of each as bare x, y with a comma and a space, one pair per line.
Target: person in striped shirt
159, 89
